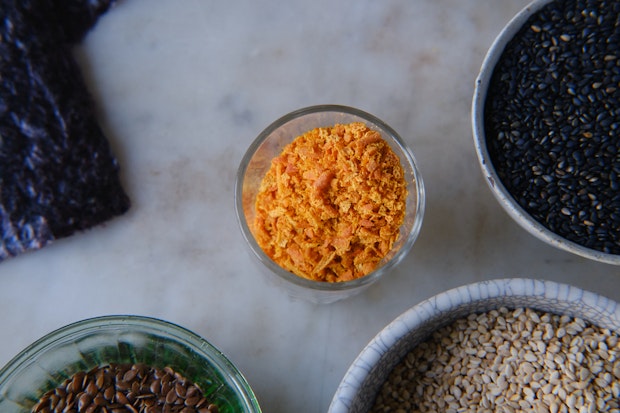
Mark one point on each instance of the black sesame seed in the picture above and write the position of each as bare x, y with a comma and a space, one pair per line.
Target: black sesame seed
552, 120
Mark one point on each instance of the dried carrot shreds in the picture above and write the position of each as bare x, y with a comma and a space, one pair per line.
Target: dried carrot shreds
332, 203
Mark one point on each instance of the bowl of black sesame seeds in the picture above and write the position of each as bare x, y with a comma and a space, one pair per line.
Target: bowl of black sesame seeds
124, 363
505, 345
546, 124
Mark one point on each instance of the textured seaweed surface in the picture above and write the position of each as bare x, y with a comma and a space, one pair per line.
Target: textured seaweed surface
57, 172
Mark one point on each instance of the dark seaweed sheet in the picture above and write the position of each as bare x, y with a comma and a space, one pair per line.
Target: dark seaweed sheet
57, 172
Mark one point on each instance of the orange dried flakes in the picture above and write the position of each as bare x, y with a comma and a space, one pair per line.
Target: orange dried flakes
332, 203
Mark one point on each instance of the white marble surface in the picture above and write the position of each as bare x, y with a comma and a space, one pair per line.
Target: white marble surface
184, 87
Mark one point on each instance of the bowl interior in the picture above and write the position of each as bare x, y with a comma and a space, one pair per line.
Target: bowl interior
96, 342
270, 143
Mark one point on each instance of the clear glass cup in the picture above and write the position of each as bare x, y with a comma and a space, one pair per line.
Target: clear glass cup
86, 344
257, 161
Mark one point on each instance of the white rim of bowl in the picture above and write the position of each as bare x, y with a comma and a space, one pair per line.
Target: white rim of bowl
500, 192
421, 313
318, 285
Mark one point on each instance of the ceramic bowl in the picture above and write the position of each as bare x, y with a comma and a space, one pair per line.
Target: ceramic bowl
95, 342
361, 383
506, 199
257, 161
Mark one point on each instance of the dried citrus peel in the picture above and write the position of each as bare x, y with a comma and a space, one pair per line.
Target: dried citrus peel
331, 205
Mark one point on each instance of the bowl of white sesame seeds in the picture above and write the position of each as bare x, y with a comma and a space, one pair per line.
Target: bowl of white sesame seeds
504, 345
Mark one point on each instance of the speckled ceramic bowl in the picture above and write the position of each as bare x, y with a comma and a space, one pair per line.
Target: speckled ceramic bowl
257, 161
498, 187
361, 383
81, 346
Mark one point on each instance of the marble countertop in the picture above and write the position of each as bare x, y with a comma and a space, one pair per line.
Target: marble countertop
183, 88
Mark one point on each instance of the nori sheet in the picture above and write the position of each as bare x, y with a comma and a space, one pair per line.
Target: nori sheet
58, 174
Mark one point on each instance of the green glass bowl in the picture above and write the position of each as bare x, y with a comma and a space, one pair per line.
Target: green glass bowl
86, 344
